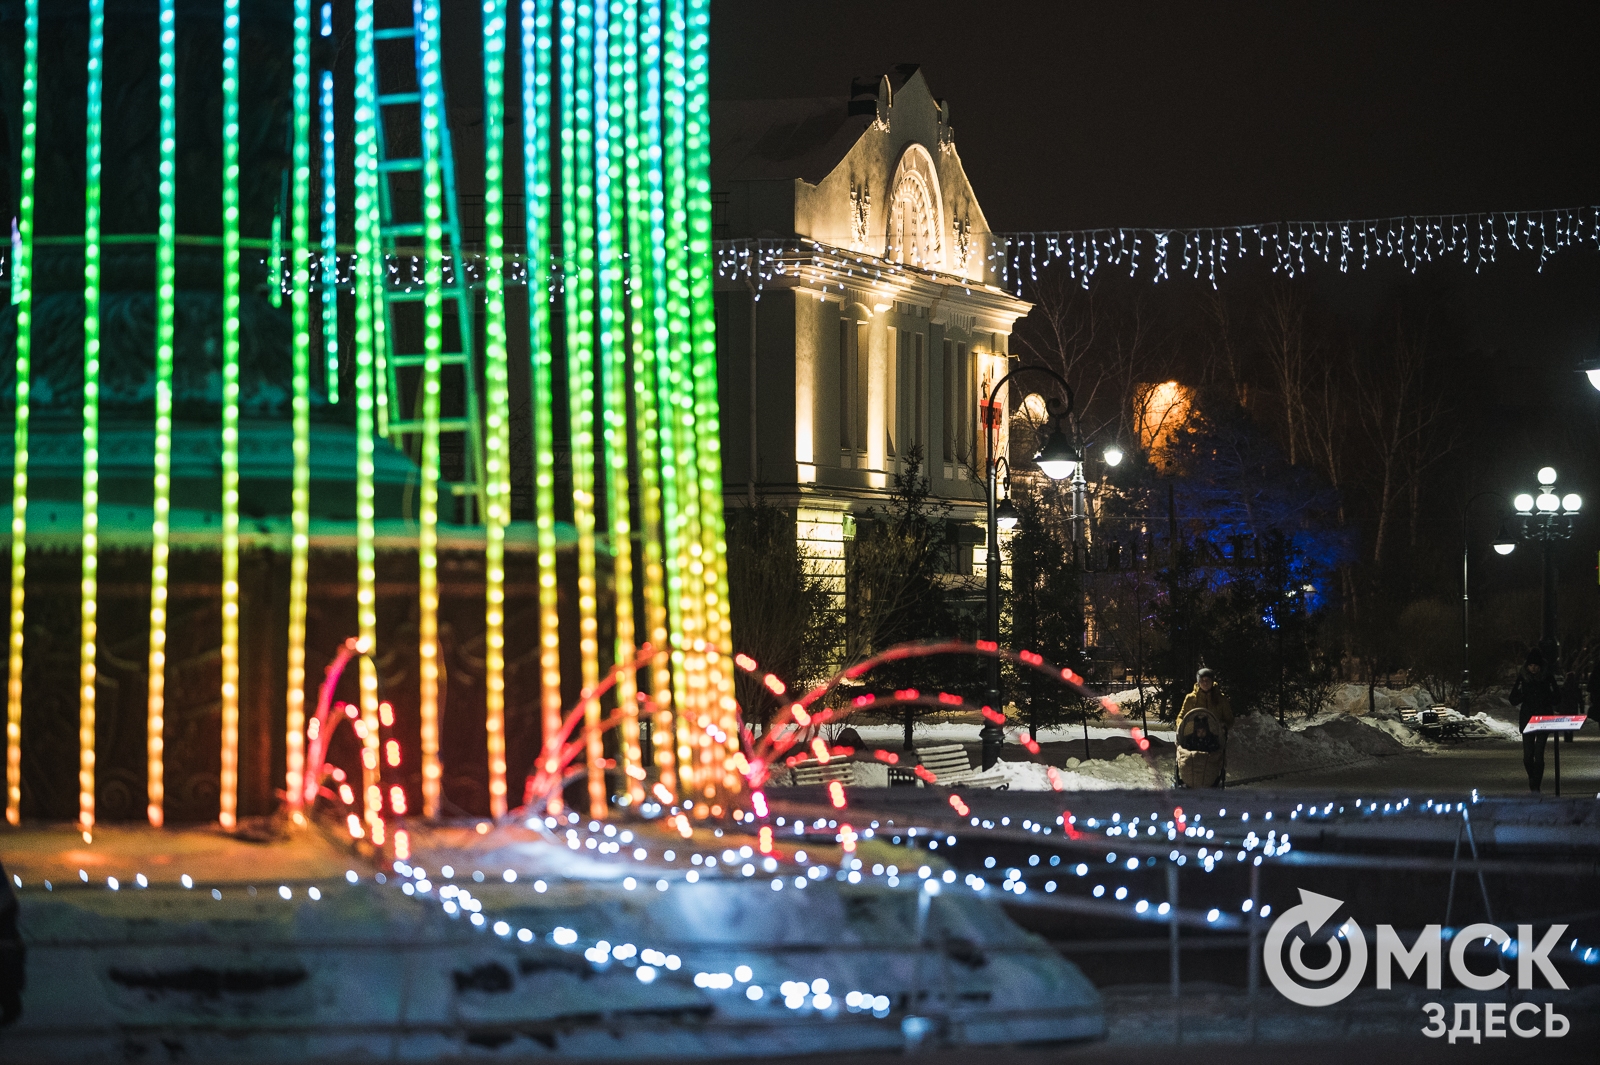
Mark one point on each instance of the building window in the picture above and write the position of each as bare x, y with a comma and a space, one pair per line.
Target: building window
959, 407
853, 367
909, 386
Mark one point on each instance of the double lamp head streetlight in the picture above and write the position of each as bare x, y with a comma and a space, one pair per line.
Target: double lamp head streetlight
1058, 459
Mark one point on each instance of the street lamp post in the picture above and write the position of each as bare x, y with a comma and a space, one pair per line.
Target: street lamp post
1503, 545
1058, 458
1546, 519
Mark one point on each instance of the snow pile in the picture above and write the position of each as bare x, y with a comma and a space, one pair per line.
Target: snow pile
1032, 776
1352, 699
1483, 725
1259, 747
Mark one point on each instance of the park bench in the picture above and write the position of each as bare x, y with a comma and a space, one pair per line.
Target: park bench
951, 768
813, 772
1435, 722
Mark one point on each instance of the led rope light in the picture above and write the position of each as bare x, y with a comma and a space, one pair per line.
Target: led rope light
369, 312
647, 260
91, 417
536, 70
300, 368
275, 258
330, 230
22, 296
433, 347
228, 795
166, 297
614, 81
681, 510
713, 545
578, 267
498, 452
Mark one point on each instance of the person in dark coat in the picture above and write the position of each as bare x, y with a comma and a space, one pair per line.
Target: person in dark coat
1534, 694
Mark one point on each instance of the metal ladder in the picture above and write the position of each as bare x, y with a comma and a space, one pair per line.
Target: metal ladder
460, 428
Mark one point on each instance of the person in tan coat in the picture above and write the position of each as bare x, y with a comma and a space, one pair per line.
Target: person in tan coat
1202, 735
1207, 694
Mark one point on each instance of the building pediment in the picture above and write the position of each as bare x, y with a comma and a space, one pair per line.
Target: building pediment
876, 173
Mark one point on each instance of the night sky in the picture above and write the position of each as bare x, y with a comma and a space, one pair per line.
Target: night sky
1073, 116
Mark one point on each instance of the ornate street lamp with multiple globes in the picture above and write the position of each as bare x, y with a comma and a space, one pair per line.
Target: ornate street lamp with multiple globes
1544, 519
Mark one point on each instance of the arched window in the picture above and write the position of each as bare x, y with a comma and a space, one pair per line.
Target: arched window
916, 211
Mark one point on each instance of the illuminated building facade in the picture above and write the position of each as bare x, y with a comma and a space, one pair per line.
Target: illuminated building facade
881, 338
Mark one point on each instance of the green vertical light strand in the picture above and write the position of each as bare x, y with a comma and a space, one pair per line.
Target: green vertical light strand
536, 70
498, 452
643, 144
300, 403
707, 420
367, 282
682, 516
228, 794
578, 280
22, 296
275, 259
91, 418
433, 347
611, 232
671, 729
166, 302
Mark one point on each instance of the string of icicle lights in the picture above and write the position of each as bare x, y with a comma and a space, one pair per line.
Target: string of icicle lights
616, 99
1016, 259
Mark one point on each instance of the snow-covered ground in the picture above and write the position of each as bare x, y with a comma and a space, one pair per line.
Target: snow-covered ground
1353, 729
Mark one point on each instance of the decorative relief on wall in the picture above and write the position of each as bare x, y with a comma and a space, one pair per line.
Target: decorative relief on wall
860, 215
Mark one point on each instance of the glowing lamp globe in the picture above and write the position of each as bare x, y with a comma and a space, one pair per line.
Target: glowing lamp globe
1058, 458
1504, 542
1523, 503
1112, 455
1572, 502
1006, 516
1547, 503
1547, 476
1594, 377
